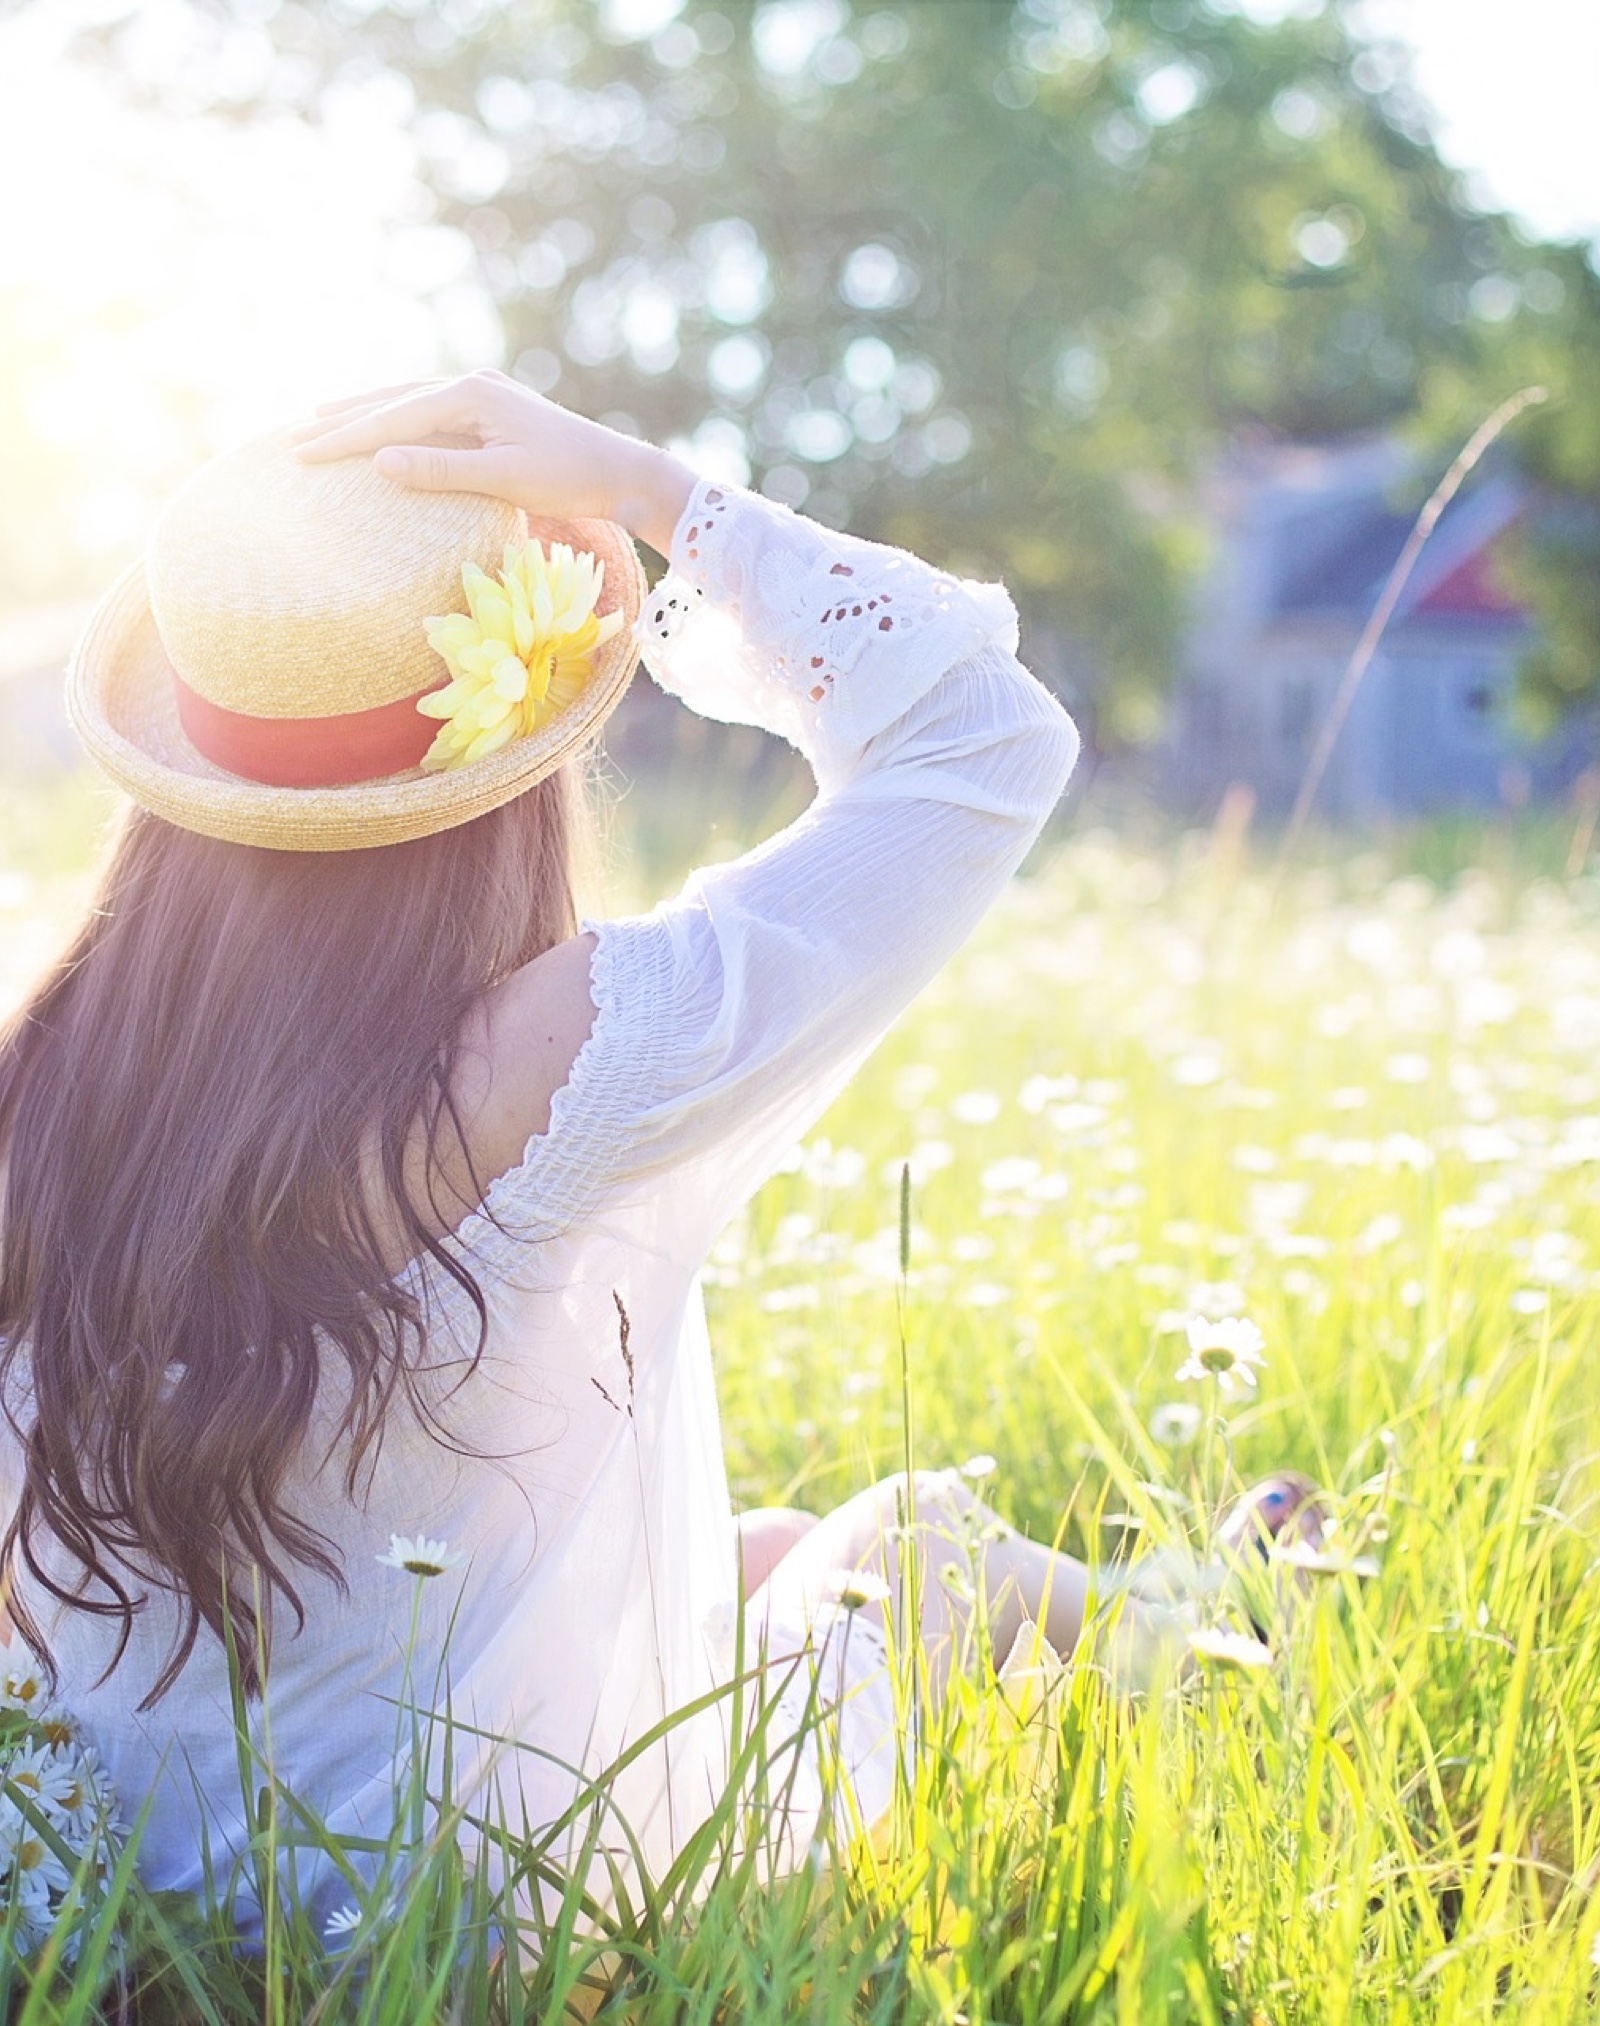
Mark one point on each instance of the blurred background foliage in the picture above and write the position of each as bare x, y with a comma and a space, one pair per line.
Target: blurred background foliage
996, 279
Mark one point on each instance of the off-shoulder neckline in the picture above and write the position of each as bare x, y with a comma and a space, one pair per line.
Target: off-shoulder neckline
485, 1237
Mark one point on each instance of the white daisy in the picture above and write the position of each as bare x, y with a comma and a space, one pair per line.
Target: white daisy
344, 1920
39, 1879
1323, 1559
852, 1589
419, 1557
1174, 1424
1230, 1351
22, 1686
33, 1919
47, 1778
1229, 1649
82, 1794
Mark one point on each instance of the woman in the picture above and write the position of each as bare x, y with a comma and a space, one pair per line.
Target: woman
356, 1190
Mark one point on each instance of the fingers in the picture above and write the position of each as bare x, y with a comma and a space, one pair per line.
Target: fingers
430, 468
437, 409
331, 415
373, 397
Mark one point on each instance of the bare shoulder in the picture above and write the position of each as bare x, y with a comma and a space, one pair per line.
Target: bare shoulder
524, 1041
536, 1022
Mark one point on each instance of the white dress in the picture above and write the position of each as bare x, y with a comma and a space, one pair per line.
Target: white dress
586, 1491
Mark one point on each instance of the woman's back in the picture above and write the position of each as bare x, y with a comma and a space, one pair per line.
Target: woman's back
543, 1401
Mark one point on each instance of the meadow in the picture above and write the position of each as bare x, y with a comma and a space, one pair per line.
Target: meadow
1356, 1101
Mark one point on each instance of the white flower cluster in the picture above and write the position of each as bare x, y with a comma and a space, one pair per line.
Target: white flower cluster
57, 1814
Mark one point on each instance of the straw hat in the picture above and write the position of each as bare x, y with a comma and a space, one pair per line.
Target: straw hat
278, 624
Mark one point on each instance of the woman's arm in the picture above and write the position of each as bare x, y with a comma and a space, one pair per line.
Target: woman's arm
727, 1018
938, 758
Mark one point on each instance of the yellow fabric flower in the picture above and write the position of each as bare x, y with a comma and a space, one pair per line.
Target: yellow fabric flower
520, 653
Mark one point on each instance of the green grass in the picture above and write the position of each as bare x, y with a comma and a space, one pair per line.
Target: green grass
1364, 1112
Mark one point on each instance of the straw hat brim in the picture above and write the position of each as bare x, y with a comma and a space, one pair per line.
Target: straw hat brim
122, 702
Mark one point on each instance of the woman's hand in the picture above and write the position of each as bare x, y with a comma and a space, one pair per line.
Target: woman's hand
520, 448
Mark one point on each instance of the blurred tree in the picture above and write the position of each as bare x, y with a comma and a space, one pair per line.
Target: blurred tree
1539, 324
994, 278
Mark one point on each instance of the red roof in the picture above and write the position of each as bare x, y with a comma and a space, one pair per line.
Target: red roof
1475, 588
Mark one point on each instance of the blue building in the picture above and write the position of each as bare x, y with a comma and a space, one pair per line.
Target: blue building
1307, 536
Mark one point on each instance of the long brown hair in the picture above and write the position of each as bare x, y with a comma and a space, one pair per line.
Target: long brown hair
205, 1112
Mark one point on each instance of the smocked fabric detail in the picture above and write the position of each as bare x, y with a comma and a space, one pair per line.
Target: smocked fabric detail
562, 1171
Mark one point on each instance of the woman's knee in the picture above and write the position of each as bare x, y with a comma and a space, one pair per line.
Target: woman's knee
932, 1501
764, 1536
868, 1530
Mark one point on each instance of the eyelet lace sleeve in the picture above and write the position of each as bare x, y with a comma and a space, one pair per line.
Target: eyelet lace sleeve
765, 618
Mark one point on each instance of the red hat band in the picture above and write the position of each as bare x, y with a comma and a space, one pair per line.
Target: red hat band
321, 752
